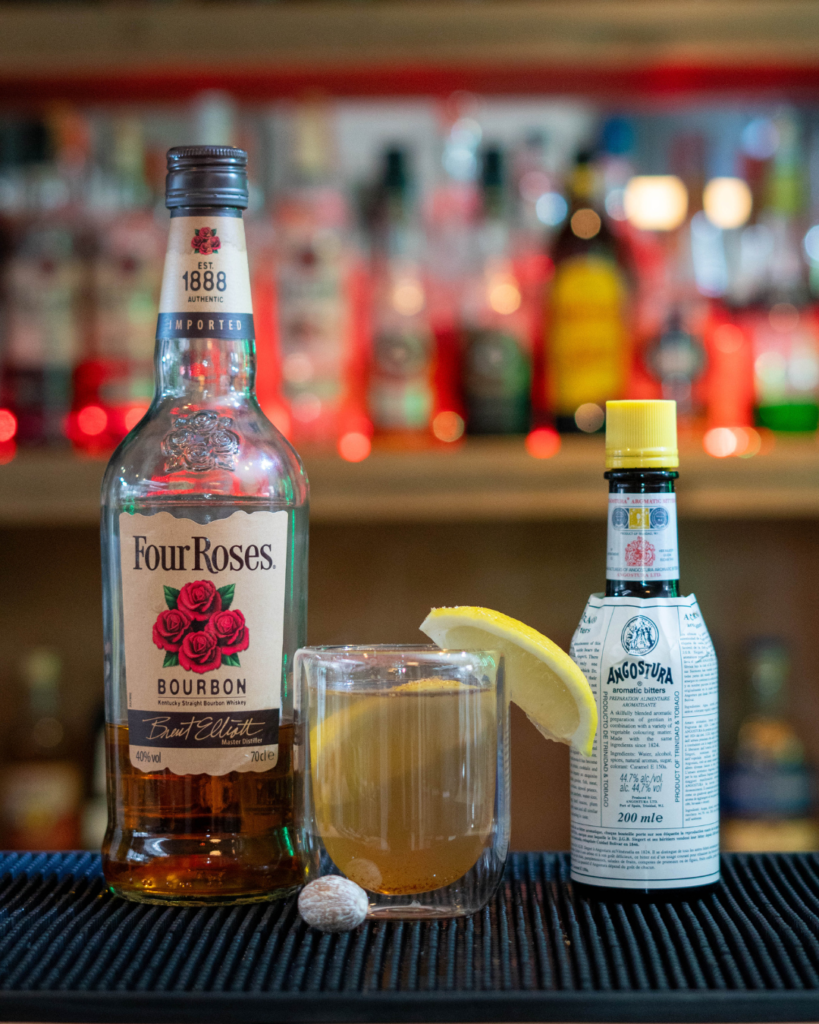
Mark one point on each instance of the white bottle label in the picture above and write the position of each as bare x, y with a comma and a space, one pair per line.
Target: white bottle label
642, 538
203, 609
645, 805
206, 283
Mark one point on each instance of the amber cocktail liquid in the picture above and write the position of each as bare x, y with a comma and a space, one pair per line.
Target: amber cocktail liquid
405, 781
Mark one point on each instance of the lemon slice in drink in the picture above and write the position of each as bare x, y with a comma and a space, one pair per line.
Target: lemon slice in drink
543, 679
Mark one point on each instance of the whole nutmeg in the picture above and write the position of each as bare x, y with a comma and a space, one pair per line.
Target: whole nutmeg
333, 904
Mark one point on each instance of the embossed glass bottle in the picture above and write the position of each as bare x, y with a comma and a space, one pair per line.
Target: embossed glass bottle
204, 548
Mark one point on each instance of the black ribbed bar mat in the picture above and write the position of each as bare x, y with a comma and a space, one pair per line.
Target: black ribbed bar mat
69, 951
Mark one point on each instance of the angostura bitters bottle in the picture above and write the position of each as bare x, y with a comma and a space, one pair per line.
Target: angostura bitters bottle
204, 545
645, 807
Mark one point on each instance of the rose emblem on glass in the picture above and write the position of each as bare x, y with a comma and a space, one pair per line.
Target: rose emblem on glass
201, 441
199, 630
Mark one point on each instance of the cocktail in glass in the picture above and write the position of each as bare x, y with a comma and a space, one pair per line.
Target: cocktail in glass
406, 776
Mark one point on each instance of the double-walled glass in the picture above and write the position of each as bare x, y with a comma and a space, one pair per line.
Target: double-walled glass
406, 784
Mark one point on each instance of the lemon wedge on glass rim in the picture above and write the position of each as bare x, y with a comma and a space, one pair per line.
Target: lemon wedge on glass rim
542, 679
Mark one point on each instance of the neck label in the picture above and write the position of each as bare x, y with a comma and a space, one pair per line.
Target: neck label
642, 538
206, 284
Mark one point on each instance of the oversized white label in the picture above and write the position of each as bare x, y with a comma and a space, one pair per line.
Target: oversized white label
642, 539
645, 805
206, 283
203, 609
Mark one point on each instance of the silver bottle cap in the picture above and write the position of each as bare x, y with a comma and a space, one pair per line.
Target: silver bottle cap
206, 176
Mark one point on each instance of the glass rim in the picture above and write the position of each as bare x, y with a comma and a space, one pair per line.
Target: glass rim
424, 651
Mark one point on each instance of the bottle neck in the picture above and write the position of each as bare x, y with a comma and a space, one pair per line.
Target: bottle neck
205, 350
642, 557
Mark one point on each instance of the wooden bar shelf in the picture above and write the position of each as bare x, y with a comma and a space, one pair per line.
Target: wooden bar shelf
481, 480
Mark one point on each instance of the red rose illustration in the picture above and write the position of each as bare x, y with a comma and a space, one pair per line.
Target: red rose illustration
199, 599
170, 628
200, 652
230, 631
206, 241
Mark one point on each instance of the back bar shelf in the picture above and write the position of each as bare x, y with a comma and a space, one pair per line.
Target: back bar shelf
482, 480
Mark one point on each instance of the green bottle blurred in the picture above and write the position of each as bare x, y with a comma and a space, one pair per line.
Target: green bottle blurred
784, 329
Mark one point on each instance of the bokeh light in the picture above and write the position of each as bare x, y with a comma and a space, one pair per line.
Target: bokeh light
585, 223
727, 202
720, 442
133, 416
408, 297
739, 442
448, 426
543, 443
551, 209
589, 417
504, 294
656, 202
811, 243
354, 446
92, 420
8, 425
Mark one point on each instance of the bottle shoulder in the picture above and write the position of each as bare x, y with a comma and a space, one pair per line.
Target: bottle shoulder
220, 452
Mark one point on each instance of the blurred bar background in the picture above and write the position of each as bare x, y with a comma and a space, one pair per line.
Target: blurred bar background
471, 224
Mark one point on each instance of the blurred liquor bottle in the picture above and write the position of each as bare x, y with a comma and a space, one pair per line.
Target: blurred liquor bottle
401, 391
450, 212
538, 209
783, 326
41, 783
768, 798
675, 355
314, 271
496, 371
676, 311
113, 383
43, 281
587, 329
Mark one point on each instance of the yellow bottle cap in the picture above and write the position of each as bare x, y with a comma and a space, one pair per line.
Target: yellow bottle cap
641, 435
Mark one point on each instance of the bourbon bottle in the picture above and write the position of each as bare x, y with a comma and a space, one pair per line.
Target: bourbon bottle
204, 545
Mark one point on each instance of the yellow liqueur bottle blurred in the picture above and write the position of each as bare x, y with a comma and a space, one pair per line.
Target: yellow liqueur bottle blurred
587, 337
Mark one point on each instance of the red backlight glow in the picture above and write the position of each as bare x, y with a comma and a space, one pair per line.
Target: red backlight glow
92, 420
543, 443
354, 446
8, 425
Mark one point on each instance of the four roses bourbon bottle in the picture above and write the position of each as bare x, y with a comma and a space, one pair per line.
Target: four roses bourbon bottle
204, 546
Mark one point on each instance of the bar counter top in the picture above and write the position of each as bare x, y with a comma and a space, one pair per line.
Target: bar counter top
70, 951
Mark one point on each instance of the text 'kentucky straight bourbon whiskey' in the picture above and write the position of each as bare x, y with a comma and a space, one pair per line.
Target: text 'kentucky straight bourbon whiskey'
645, 808
204, 545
